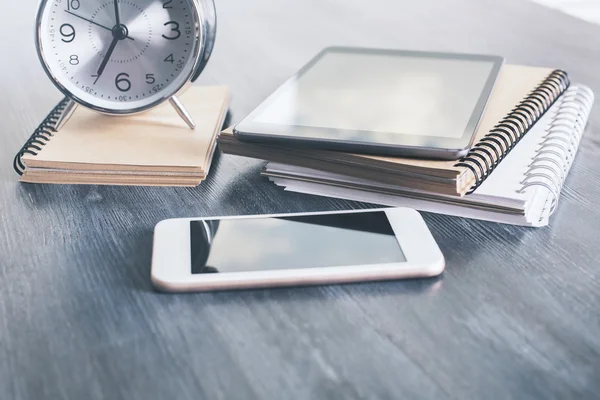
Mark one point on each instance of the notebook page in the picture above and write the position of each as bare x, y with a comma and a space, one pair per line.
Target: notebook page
277, 172
399, 201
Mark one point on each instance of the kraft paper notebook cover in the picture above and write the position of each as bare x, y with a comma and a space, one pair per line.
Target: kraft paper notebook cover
521, 97
152, 148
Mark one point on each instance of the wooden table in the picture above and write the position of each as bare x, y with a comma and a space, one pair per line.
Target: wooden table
515, 315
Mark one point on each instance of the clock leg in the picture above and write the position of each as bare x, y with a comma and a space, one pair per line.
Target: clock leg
66, 114
182, 112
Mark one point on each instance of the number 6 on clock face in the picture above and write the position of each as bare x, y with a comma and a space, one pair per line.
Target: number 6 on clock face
124, 56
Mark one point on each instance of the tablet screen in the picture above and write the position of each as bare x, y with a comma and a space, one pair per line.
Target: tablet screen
411, 95
393, 102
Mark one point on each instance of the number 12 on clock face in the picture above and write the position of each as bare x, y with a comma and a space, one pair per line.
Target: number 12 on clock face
120, 56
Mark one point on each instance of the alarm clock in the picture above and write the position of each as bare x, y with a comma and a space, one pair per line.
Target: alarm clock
122, 57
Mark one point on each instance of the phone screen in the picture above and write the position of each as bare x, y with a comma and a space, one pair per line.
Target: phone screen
314, 241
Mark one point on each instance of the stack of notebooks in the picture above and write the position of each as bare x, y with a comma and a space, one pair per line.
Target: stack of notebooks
155, 148
525, 145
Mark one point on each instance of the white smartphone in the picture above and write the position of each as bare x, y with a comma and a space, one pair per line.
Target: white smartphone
200, 254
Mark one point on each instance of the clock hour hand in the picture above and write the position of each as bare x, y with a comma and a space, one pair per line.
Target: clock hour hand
107, 57
93, 22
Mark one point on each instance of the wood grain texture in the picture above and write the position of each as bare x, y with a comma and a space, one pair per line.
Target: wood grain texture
515, 315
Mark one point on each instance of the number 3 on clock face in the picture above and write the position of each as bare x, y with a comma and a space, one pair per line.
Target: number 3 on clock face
124, 56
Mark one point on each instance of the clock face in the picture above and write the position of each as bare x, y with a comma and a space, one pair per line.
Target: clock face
119, 56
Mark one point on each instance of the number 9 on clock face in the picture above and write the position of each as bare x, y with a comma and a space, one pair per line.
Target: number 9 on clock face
120, 56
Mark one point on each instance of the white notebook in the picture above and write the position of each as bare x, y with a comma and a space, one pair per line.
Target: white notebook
523, 190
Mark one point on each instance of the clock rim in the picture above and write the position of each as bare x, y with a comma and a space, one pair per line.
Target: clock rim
205, 35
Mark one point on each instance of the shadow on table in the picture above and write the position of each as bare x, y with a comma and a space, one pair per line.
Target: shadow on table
375, 289
463, 241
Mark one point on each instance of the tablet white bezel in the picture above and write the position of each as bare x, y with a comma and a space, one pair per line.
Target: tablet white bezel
172, 271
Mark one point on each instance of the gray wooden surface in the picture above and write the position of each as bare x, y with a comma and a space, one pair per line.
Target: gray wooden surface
515, 315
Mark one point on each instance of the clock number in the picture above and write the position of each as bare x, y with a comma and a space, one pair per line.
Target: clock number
174, 28
122, 83
68, 32
73, 5
166, 4
170, 59
97, 77
74, 60
150, 79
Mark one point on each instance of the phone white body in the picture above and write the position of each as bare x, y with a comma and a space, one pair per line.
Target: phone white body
172, 253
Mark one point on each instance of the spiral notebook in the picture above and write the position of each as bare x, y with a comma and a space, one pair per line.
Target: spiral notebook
521, 97
155, 148
523, 190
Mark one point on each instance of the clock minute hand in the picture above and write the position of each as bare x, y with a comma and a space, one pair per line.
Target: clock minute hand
93, 22
117, 13
107, 57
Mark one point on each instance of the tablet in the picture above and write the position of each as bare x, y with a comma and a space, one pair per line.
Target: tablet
388, 102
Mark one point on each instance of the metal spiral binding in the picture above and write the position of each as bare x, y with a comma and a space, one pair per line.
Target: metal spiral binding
554, 158
485, 156
40, 136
